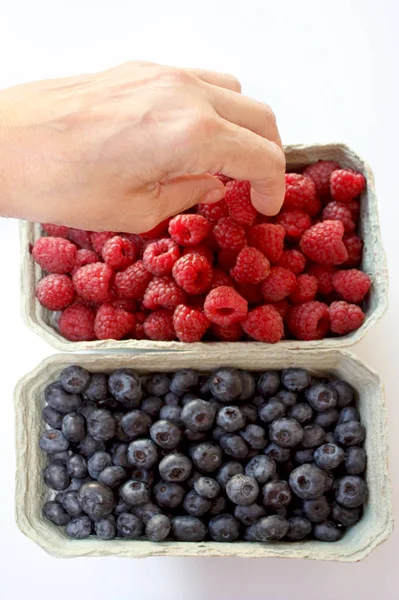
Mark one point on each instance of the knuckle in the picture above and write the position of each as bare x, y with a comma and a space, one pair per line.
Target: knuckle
234, 83
175, 75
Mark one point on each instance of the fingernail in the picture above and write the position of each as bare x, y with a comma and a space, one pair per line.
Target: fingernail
214, 196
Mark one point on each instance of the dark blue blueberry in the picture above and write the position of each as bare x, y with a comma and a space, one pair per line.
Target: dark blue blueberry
350, 491
119, 455
255, 436
230, 418
53, 441
329, 437
158, 528
193, 478
204, 387
227, 471
194, 436
120, 433
135, 492
109, 403
152, 405
344, 391
73, 427
54, 511
188, 398
59, 399
327, 532
242, 489
355, 460
233, 445
52, 417
113, 476
136, 423
157, 384
171, 413
298, 528
261, 468
270, 528
56, 476
226, 384
167, 494
183, 381
129, 526
101, 425
171, 399
271, 410
165, 434
80, 527
125, 386
146, 511
76, 483
198, 415
188, 529
77, 466
195, 504
142, 454
122, 507
257, 401
349, 413
207, 457
349, 433
97, 499
295, 379
287, 433
249, 535
74, 379
345, 516
321, 397
287, 398
60, 457
86, 408
316, 510
313, 436
328, 456
71, 503
327, 418
175, 467
218, 505
302, 412
105, 528
308, 481
97, 389
224, 528
207, 487
217, 433
98, 462
268, 383
249, 514
248, 386
277, 453
250, 412
304, 456
276, 494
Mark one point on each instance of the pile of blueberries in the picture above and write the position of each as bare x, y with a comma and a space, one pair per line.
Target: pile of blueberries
186, 456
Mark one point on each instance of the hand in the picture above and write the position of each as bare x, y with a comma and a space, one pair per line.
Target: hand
125, 148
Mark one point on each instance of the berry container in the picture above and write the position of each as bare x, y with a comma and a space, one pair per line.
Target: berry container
43, 321
373, 529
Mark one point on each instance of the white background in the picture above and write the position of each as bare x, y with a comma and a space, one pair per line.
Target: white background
329, 71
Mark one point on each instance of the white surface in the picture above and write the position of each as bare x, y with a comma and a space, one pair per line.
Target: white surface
329, 71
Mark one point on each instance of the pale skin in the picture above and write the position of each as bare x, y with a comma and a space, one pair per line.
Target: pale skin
125, 148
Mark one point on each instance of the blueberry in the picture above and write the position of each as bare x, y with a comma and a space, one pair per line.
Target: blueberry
218, 505
317, 510
144, 475
86, 408
295, 380
77, 466
270, 528
276, 494
349, 433
218, 432
261, 468
277, 453
105, 528
98, 462
298, 528
157, 384
194, 436
304, 456
287, 398
255, 436
329, 437
167, 494
165, 434
183, 381
171, 413
80, 527
97, 499
349, 413
268, 383
248, 386
328, 456
122, 507
120, 434
152, 406
61, 457
146, 511
204, 387
226, 384
350, 491
136, 423
344, 391
171, 399
250, 412
242, 489
249, 514
345, 516
188, 398
301, 412
129, 526
206, 487
287, 433
88, 446
233, 445
195, 504
109, 404
52, 417
193, 478
74, 379
76, 483
142, 453
135, 492
270, 410
207, 457
224, 528
198, 415
327, 532
188, 529
230, 418
355, 460
308, 481
73, 427
59, 399
158, 528
101, 425
125, 386
97, 389
249, 535
113, 476
54, 511
175, 467
53, 441
71, 503
313, 435
321, 397
119, 455
327, 418
227, 471
56, 476
257, 401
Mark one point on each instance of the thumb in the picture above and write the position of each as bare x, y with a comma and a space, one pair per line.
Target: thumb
181, 193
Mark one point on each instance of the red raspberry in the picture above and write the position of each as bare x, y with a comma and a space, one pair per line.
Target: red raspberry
213, 212
76, 323
264, 324
294, 222
354, 247
282, 307
354, 207
201, 249
268, 238
251, 292
133, 281
225, 306
320, 173
193, 273
251, 266
219, 277
293, 260
156, 231
94, 282
238, 200
324, 275
190, 324
230, 333
125, 304
300, 194
55, 292
229, 234
189, 230
336, 211
139, 242
160, 256
138, 333
55, 230
196, 302
119, 253
84, 257
227, 258
352, 284
163, 292
345, 317
54, 255
159, 326
306, 289
309, 321
81, 238
112, 323
346, 184
279, 284
99, 238
323, 243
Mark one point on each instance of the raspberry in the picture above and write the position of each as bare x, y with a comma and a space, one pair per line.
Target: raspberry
230, 333
160, 256
279, 284
133, 281
159, 326
54, 255
323, 243
324, 275
84, 257
268, 238
225, 306
201, 249
309, 321
251, 292
345, 317
354, 247
352, 284
125, 304
190, 324
119, 253
219, 277
189, 230
55, 292
300, 193
213, 212
76, 323
251, 266
137, 241
156, 231
81, 238
223, 178
238, 200
229, 234
138, 332
163, 292
295, 222
196, 302
94, 282
346, 184
98, 239
320, 173
293, 260
336, 211
193, 273
227, 258
306, 289
282, 307
264, 324
112, 323
55, 230
354, 207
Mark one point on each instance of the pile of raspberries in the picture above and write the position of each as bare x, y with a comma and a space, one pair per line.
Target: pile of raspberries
217, 272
